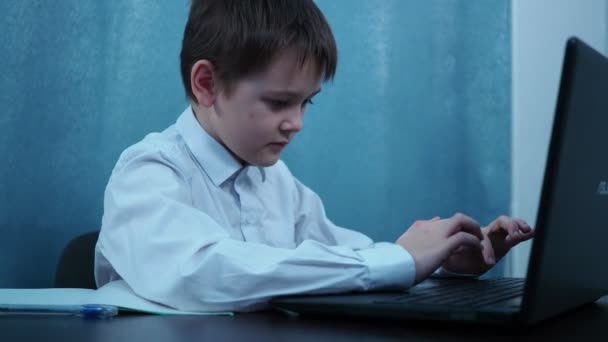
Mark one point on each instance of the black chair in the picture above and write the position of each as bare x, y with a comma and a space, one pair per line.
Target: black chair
75, 268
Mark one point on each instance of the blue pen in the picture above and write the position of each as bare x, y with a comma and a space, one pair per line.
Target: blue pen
85, 311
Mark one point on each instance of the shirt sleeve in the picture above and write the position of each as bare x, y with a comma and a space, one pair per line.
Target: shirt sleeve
386, 262
174, 254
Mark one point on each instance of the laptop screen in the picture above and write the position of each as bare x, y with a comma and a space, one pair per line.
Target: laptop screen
572, 223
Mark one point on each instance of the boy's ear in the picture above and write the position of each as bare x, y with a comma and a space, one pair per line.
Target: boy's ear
202, 81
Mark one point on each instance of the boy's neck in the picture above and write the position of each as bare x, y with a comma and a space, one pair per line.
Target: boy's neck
202, 115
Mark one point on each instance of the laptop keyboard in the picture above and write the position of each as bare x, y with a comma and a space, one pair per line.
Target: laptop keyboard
471, 294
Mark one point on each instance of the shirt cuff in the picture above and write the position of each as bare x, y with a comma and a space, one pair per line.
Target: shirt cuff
389, 265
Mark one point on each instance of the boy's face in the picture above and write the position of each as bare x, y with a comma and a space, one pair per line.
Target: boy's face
263, 112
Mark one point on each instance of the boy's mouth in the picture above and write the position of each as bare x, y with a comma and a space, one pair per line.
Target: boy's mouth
279, 144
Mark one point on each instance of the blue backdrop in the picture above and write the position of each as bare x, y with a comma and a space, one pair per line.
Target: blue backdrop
416, 123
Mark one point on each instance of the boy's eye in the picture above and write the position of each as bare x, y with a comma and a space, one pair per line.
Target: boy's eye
277, 104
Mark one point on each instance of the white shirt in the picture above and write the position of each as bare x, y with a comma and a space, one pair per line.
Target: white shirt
187, 226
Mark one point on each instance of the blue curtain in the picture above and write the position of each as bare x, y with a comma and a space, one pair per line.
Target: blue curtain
416, 123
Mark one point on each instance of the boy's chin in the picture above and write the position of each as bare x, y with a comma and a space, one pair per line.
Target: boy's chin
266, 161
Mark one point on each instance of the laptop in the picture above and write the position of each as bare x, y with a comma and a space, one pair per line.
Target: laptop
566, 267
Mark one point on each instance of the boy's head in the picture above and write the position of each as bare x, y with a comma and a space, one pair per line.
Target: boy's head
242, 37
250, 67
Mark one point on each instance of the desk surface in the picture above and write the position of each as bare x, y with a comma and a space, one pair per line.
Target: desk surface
590, 321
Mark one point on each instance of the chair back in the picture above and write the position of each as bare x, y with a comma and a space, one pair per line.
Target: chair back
76, 264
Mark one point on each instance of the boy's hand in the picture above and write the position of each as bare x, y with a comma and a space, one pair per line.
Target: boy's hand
499, 237
432, 242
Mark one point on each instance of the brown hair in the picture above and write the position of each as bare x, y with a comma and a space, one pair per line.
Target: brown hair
242, 37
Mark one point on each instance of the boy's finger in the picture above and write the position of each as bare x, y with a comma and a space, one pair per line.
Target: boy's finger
527, 236
510, 226
463, 223
523, 226
514, 229
521, 237
461, 239
488, 252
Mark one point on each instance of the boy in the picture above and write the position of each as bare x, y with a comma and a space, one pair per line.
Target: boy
205, 217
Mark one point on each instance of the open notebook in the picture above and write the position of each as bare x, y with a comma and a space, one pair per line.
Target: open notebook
116, 293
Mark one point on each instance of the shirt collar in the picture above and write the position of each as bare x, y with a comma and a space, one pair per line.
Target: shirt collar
213, 157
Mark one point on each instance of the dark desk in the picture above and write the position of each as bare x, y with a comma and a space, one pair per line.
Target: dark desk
588, 323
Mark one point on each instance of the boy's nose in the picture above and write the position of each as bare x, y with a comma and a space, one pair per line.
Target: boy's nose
293, 123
